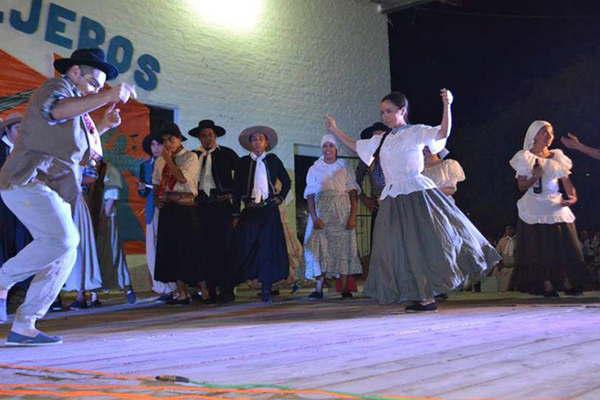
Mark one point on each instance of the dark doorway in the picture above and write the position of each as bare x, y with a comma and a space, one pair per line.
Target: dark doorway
159, 116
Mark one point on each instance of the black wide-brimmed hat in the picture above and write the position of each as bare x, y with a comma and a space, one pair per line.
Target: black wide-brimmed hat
247, 133
367, 133
171, 129
147, 143
207, 124
92, 57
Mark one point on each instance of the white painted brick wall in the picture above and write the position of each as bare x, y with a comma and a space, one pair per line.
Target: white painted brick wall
305, 58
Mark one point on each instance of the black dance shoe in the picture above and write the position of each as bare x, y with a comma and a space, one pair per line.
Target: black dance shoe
227, 297
574, 292
418, 307
179, 302
295, 288
551, 293
57, 306
130, 296
165, 297
441, 297
78, 305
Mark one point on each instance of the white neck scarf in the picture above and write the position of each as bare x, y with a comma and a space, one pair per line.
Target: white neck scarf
206, 180
8, 143
260, 191
509, 249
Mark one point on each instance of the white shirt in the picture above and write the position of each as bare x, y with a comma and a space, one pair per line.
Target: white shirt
506, 246
112, 183
401, 157
10, 144
188, 163
324, 177
445, 174
545, 207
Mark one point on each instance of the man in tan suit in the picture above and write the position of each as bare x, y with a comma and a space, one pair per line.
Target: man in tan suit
41, 180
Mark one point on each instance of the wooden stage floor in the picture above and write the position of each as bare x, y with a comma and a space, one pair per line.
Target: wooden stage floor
478, 346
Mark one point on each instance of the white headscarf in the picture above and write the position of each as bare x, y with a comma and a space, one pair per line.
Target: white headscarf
533, 129
328, 138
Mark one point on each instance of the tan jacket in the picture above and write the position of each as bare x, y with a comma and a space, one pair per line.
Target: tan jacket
48, 150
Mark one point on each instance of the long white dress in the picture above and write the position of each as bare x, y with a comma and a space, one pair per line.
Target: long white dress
332, 251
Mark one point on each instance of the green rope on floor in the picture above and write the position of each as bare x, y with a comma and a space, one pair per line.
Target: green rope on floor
183, 379
278, 387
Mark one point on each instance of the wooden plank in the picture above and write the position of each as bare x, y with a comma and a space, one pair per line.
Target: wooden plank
464, 351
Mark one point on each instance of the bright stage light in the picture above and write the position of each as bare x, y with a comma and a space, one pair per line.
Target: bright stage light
236, 15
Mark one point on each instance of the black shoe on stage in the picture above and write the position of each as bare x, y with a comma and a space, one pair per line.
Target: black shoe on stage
78, 305
130, 296
165, 297
441, 297
418, 307
227, 297
295, 288
210, 300
266, 298
179, 302
574, 292
57, 306
95, 303
316, 295
551, 293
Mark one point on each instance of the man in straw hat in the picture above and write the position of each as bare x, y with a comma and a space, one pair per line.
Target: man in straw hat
41, 180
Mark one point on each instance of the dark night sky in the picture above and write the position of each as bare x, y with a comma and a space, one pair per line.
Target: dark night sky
508, 63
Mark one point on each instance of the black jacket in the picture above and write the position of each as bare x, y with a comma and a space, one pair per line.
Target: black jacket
224, 162
4, 152
244, 178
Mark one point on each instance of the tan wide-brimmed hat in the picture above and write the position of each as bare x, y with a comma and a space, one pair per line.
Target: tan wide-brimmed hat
12, 119
269, 133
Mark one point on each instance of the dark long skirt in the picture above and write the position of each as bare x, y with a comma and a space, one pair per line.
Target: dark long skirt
14, 236
260, 241
177, 254
424, 245
548, 252
215, 243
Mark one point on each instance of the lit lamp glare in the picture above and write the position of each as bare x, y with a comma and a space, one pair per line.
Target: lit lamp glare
237, 15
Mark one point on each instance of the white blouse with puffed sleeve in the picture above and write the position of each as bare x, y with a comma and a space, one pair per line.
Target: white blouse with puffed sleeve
401, 157
544, 207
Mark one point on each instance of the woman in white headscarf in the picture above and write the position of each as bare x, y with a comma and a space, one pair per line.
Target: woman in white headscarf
330, 248
548, 256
